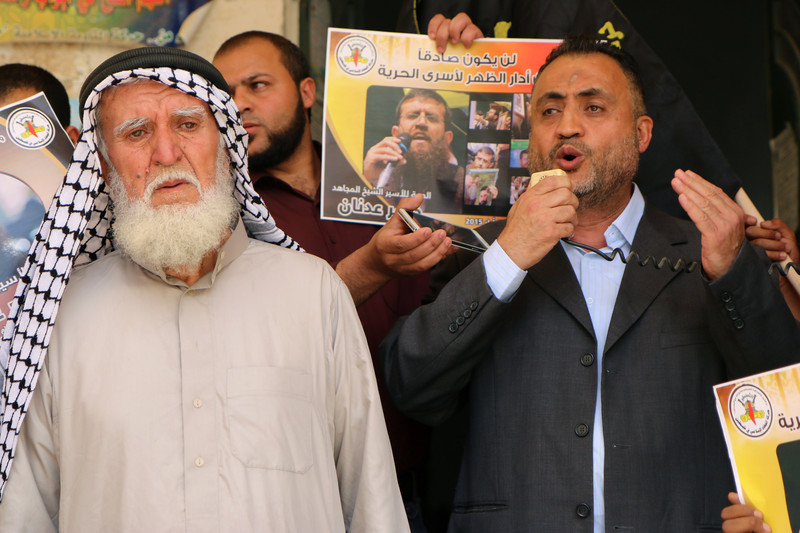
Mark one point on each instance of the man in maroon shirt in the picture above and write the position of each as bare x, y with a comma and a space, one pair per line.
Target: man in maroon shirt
386, 269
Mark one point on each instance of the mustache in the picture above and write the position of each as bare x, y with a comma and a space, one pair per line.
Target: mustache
586, 150
169, 174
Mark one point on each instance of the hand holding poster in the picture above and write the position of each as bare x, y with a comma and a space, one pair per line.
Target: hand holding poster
760, 418
34, 154
401, 118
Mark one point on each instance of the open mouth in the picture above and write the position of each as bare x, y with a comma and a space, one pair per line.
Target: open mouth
569, 158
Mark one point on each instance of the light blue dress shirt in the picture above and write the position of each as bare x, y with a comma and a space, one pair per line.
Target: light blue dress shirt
599, 280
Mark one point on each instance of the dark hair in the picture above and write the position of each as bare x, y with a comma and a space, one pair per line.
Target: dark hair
424, 93
486, 150
15, 76
291, 56
585, 45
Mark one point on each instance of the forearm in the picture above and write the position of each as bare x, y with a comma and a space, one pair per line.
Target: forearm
361, 276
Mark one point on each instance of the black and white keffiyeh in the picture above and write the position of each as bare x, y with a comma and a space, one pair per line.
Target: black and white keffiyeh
75, 229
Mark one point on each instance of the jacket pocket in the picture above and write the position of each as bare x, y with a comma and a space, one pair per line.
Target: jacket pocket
270, 417
479, 507
674, 337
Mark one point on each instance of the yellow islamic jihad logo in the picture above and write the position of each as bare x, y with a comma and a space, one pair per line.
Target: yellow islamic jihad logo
750, 410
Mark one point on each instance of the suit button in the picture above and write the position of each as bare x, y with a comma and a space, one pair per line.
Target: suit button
583, 510
453, 328
587, 359
726, 297
738, 323
467, 313
582, 430
730, 306
473, 305
460, 320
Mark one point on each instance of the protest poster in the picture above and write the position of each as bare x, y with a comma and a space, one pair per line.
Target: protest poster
465, 112
760, 418
34, 154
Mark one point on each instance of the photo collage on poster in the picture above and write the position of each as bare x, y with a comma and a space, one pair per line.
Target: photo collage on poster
497, 152
402, 119
483, 140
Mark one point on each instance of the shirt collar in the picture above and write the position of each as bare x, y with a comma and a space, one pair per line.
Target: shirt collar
620, 233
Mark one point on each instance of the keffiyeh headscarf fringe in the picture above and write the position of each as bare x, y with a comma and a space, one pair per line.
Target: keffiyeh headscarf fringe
75, 231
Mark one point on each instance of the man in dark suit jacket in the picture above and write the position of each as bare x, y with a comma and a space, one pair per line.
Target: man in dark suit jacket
588, 381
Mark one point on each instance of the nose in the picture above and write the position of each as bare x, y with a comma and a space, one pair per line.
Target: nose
241, 101
570, 125
166, 147
422, 120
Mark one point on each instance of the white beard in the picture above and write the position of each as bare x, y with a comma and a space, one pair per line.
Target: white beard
177, 236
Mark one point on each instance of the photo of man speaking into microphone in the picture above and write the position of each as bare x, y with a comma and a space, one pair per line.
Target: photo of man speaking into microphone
418, 155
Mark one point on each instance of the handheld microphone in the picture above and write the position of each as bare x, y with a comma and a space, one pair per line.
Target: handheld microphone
386, 173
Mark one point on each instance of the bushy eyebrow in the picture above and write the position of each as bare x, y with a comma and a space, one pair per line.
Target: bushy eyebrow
191, 112
197, 112
130, 124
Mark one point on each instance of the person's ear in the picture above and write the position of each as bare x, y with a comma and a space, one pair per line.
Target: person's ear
308, 92
448, 135
73, 133
644, 125
104, 167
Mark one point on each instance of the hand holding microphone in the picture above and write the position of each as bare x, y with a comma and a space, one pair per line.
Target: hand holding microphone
386, 174
545, 213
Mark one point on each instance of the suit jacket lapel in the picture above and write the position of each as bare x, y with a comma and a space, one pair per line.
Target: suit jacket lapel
658, 235
555, 276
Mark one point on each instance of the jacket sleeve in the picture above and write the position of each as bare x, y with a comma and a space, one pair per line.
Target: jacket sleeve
753, 326
428, 357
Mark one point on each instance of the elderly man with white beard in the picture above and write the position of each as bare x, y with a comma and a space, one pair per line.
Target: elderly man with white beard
197, 379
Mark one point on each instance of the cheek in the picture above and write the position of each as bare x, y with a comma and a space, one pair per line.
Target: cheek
137, 176
205, 168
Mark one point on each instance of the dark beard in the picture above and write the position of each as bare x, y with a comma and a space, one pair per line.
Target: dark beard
422, 169
610, 170
282, 143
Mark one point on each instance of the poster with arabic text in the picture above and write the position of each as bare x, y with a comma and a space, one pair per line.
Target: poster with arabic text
401, 118
760, 418
34, 154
